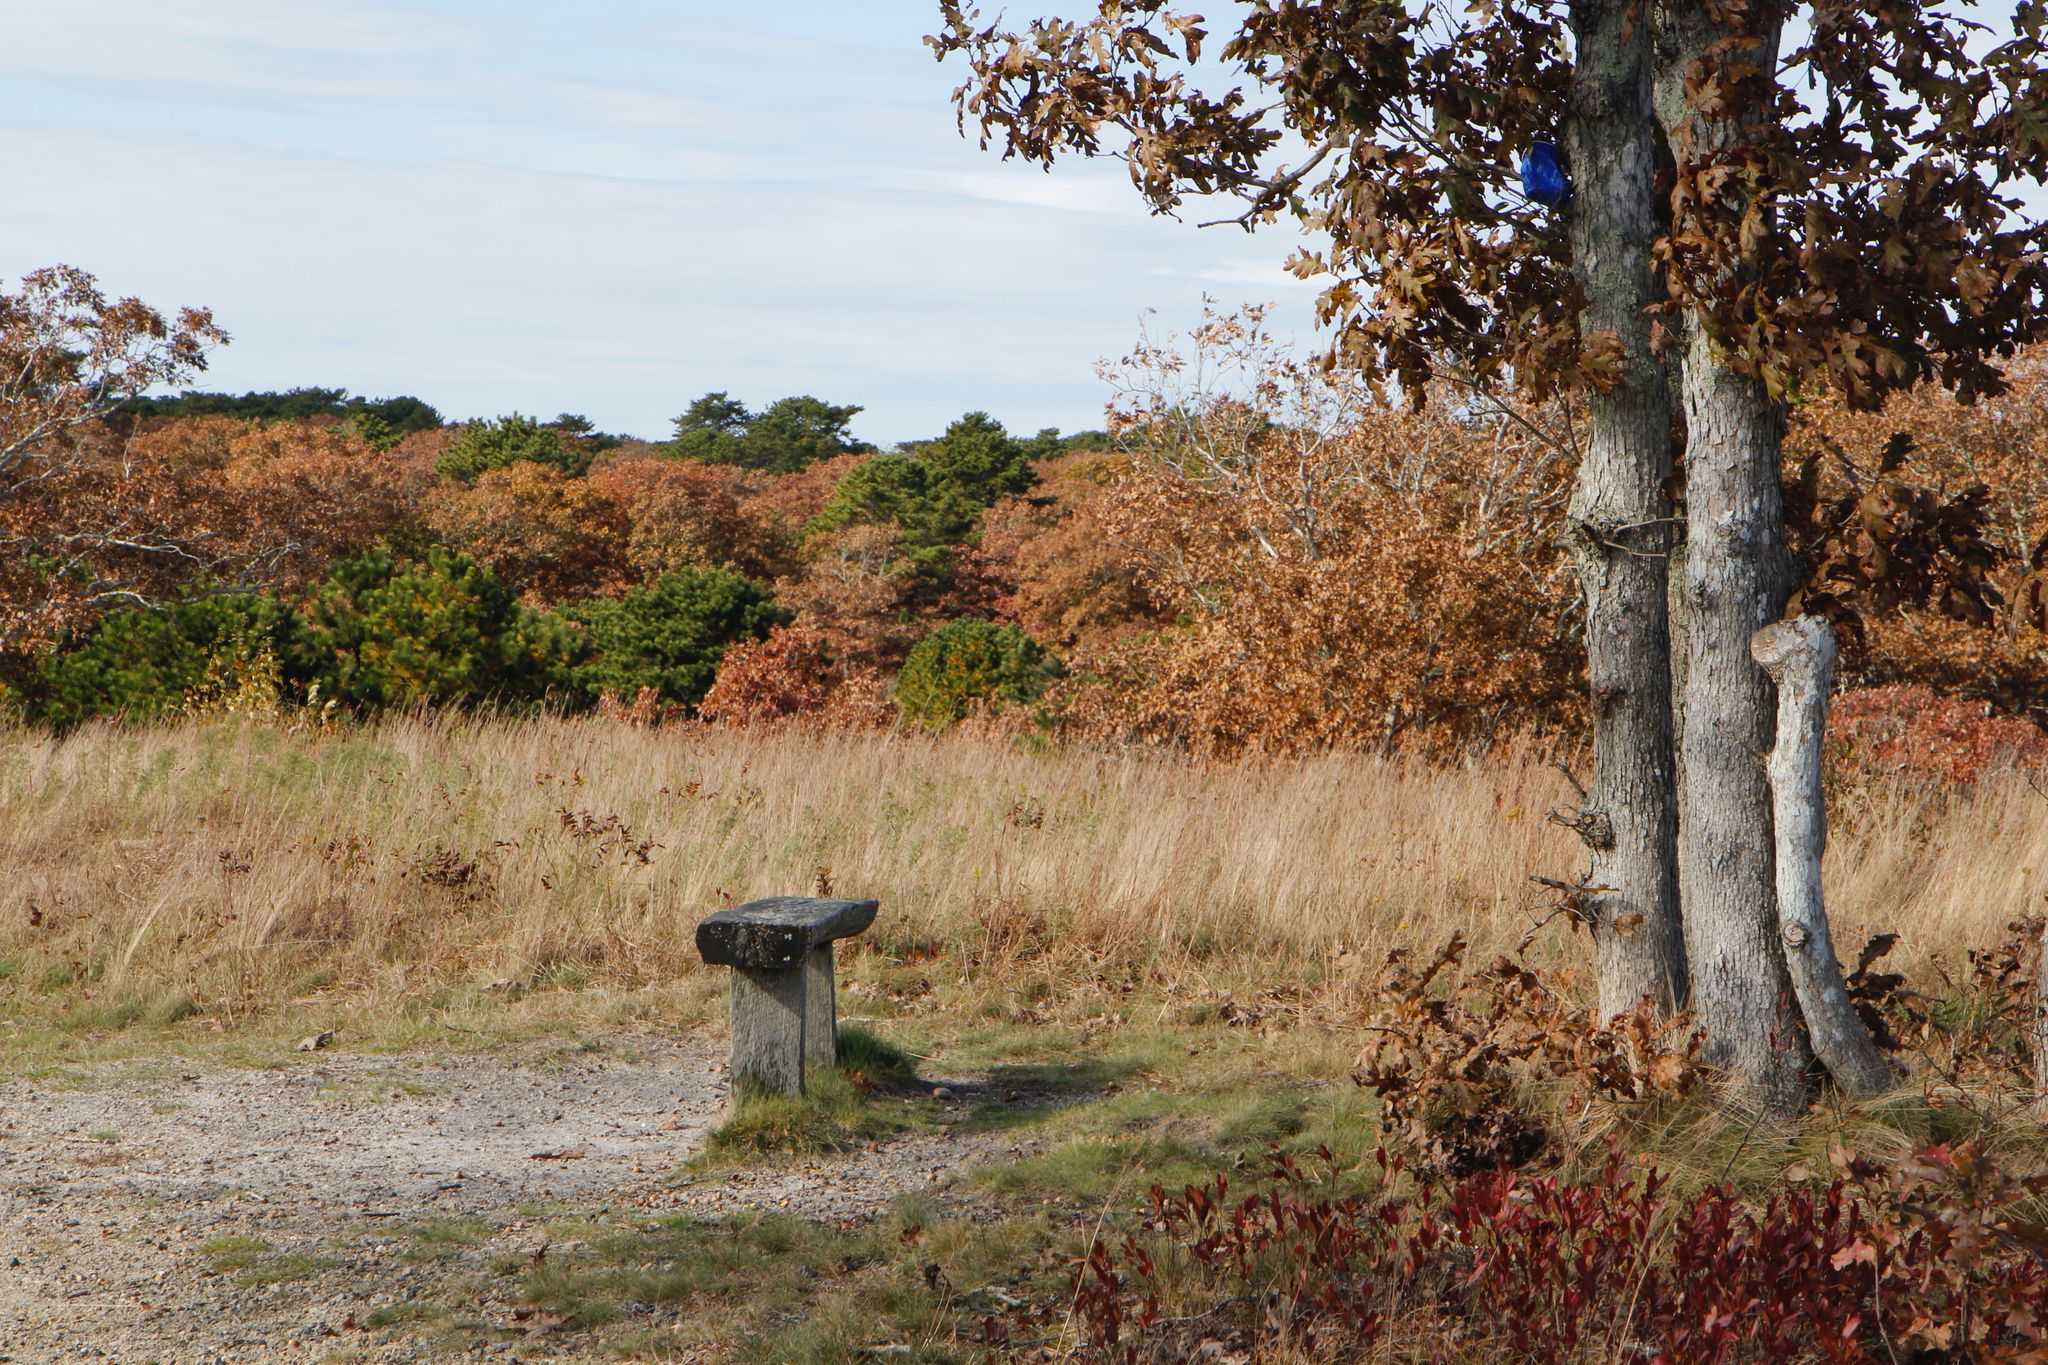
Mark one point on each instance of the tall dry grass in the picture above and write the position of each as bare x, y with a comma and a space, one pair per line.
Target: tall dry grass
242, 864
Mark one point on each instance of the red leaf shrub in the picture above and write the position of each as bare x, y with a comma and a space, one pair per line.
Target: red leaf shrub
1909, 729
1933, 1260
797, 673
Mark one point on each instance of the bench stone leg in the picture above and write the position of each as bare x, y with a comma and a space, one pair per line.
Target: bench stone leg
784, 1023
821, 1010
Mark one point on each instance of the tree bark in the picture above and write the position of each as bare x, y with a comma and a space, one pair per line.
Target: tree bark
1623, 516
1622, 512
1800, 658
1733, 578
2040, 1035
1735, 575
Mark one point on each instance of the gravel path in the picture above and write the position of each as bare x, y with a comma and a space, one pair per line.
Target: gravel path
122, 1191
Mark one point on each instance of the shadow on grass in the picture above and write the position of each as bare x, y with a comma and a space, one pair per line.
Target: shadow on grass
874, 1092
1017, 1095
874, 1059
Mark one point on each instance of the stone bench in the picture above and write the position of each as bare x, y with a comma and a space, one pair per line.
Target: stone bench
785, 1019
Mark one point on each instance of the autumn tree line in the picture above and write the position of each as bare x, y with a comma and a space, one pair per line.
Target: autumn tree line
1261, 555
364, 555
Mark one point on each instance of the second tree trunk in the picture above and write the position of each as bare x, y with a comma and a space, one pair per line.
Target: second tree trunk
1733, 579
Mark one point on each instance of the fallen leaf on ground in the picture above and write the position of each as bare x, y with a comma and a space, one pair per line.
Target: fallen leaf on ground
534, 1321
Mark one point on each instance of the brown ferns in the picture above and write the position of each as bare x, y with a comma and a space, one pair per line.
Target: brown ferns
1455, 1056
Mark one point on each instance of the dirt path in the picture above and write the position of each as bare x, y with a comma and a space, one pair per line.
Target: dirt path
126, 1194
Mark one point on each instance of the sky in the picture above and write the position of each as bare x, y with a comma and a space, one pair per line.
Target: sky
606, 207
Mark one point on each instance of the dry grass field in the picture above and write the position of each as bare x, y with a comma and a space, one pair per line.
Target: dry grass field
222, 869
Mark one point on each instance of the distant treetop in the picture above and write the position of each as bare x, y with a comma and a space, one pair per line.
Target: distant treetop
499, 442
582, 428
788, 435
399, 416
1049, 443
935, 491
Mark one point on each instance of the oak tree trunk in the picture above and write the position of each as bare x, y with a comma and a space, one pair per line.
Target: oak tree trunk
1733, 577
2040, 1032
1621, 511
1799, 656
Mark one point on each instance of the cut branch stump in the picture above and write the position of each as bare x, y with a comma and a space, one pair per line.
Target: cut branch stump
1800, 657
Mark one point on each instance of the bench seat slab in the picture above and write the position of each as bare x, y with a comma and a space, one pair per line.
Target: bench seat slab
777, 934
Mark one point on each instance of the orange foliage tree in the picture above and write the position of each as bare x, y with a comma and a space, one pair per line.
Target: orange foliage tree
859, 583
1049, 560
784, 504
679, 514
1347, 572
166, 508
554, 535
292, 496
69, 358
801, 675
1979, 632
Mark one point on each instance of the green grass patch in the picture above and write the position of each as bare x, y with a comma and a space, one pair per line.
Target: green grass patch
1099, 1168
225, 1254
439, 1239
676, 1259
776, 1290
871, 1094
832, 1115
880, 1062
252, 1261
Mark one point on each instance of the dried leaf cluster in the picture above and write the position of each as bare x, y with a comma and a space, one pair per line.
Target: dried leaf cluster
1466, 1063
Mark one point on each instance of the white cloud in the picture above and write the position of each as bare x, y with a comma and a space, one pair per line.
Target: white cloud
322, 48
1269, 275
1075, 191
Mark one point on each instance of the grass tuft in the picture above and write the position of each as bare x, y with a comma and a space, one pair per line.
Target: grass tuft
863, 1099
224, 1254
